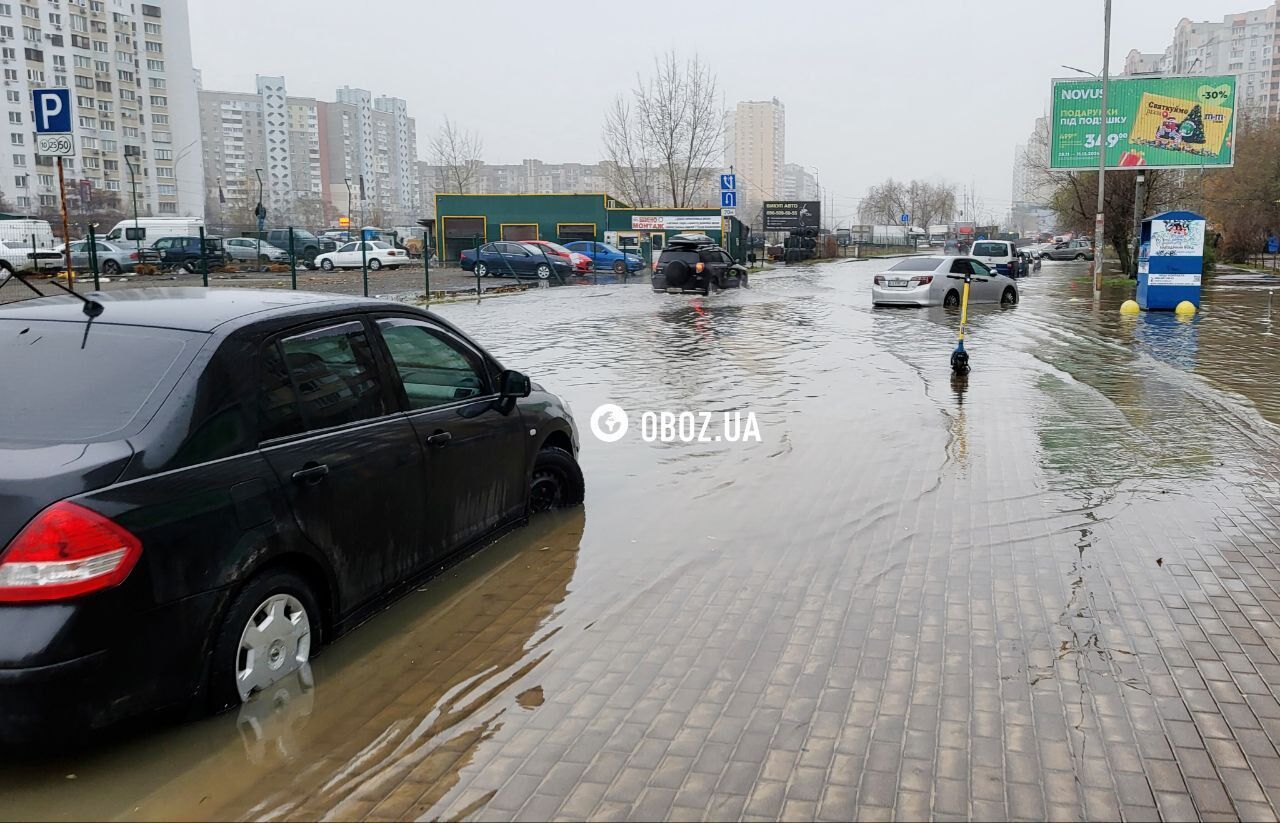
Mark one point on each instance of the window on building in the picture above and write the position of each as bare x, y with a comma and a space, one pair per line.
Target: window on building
167, 189
160, 119
20, 181
151, 28
100, 45
168, 208
82, 61
11, 74
107, 125
92, 163
87, 83
88, 122
111, 165
79, 22
35, 75
6, 9
109, 145
44, 179
158, 100
88, 142
19, 160
48, 200
105, 85
164, 171
15, 117
164, 154
6, 31
84, 101
155, 65
157, 82
13, 96
30, 11
31, 35
154, 47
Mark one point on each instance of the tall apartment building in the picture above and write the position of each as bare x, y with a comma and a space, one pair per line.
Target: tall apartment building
1245, 44
307, 150
797, 183
265, 131
128, 65
755, 146
376, 139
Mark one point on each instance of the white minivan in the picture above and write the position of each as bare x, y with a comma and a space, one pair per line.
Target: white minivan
149, 229
999, 255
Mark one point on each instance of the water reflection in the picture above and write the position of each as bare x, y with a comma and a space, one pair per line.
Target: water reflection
408, 696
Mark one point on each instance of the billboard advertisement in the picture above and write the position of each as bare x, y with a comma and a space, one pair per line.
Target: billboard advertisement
1156, 122
683, 222
785, 215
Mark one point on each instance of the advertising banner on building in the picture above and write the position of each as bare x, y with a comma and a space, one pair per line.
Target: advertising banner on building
667, 222
786, 215
1156, 122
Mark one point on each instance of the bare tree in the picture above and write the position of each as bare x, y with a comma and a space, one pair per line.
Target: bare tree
667, 140
925, 203
458, 153
632, 173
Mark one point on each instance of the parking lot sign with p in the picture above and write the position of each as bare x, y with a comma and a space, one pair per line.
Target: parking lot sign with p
52, 110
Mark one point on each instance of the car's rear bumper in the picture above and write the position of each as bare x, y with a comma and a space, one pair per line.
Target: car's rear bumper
919, 296
65, 688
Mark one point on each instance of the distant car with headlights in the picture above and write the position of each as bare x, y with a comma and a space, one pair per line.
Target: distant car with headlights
939, 281
376, 254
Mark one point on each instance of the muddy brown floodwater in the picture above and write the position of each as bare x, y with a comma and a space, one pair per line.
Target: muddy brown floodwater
1049, 590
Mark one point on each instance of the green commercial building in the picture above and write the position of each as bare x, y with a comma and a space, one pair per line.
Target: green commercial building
462, 219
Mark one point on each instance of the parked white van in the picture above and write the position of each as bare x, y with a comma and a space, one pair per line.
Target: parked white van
150, 229
19, 231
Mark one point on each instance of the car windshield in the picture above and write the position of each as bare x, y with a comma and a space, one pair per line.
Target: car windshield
989, 249
917, 264
48, 374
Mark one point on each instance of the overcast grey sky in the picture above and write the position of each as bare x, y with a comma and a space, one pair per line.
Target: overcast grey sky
933, 88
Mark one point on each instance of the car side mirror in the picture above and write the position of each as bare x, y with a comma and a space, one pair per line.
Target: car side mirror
514, 384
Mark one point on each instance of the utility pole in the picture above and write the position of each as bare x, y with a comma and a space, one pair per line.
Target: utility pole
133, 185
1099, 221
348, 209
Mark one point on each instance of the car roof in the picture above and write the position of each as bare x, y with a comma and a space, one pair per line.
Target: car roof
189, 309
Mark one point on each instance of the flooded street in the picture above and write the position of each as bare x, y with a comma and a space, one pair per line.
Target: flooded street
1050, 590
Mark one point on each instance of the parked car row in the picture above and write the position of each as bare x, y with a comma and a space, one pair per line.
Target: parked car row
543, 258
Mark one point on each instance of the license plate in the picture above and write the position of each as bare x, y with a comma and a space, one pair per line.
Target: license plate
898, 284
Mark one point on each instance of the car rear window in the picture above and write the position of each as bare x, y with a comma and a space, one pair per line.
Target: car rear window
990, 249
689, 256
916, 264
57, 390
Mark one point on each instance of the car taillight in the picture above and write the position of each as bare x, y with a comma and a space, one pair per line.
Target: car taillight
66, 551
923, 279
133, 255
879, 281
698, 268
655, 265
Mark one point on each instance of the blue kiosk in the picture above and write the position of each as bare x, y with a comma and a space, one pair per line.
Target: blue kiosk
1170, 260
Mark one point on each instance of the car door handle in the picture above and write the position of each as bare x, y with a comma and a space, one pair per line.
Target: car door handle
439, 439
311, 473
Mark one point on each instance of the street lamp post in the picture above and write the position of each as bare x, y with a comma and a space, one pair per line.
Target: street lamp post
1099, 220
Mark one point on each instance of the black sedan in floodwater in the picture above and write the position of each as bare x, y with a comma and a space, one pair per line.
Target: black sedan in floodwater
199, 487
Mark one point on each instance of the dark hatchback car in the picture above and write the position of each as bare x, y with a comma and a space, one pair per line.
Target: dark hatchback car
202, 486
184, 253
694, 263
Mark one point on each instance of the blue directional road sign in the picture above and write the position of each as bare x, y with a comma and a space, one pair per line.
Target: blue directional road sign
906, 218
728, 182
728, 199
52, 110
1273, 244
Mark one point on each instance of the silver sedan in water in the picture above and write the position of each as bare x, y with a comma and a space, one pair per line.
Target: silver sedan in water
939, 281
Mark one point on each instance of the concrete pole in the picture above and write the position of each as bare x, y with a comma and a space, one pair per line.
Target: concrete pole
1099, 220
1139, 206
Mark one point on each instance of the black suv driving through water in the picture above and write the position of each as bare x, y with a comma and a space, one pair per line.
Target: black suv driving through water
694, 263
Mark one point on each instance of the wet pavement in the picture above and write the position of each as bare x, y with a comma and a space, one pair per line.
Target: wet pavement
1050, 591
